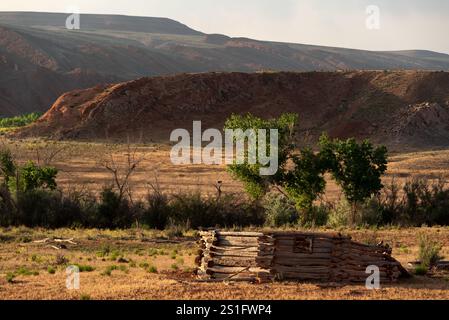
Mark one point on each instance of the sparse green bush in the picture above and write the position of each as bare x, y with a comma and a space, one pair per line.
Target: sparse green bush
10, 276
279, 210
85, 268
51, 270
429, 251
19, 121
152, 269
421, 270
339, 215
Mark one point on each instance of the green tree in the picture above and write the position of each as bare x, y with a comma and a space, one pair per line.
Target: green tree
356, 167
255, 184
32, 177
300, 176
305, 182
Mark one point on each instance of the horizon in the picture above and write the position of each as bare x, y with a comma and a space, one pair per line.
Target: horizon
403, 25
262, 40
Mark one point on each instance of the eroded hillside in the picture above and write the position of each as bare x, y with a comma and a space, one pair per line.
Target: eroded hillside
404, 108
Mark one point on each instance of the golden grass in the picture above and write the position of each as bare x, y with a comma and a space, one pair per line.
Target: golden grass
136, 281
79, 168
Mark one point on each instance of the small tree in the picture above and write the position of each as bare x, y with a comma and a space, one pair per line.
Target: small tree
7, 165
300, 177
122, 172
357, 168
31, 177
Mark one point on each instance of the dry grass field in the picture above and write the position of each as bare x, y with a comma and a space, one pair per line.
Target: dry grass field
80, 167
140, 264
134, 264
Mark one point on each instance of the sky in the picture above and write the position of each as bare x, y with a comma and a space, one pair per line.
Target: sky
393, 25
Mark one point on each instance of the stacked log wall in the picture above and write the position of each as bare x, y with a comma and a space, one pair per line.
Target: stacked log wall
299, 256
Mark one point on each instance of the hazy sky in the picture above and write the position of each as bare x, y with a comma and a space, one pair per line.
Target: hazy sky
404, 24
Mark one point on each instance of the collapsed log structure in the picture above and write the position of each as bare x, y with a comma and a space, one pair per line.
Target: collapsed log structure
298, 256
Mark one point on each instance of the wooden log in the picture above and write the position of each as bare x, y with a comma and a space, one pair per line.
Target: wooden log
234, 248
237, 242
232, 262
240, 234
287, 255
290, 249
233, 270
303, 262
303, 269
280, 234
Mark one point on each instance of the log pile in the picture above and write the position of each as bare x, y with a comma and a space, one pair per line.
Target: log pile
299, 256
236, 256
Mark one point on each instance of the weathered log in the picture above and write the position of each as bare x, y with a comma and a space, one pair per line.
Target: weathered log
291, 255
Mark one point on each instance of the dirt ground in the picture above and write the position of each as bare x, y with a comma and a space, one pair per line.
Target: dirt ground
136, 264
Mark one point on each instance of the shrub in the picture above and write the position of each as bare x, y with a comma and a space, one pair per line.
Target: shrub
339, 215
108, 270
8, 210
371, 213
422, 202
421, 270
85, 268
429, 251
316, 216
114, 211
173, 230
158, 211
152, 269
49, 209
279, 210
39, 208
51, 270
10, 276
195, 211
